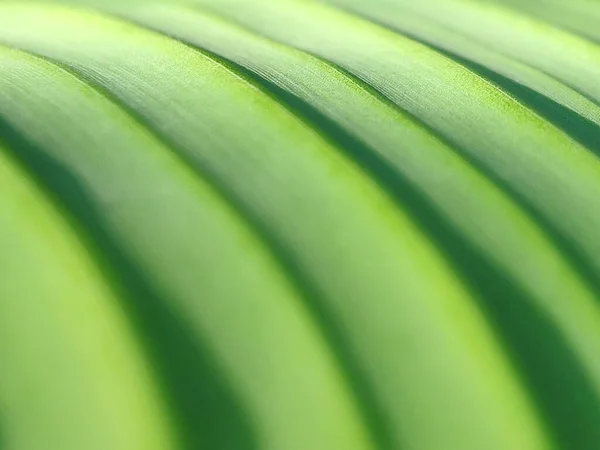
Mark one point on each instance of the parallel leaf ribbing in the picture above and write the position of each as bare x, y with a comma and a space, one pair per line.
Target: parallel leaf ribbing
327, 211
493, 231
312, 224
172, 226
423, 23
73, 375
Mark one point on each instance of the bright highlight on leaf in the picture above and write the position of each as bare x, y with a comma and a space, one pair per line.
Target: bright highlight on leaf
299, 225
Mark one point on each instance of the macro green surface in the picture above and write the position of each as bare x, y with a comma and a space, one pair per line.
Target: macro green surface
299, 225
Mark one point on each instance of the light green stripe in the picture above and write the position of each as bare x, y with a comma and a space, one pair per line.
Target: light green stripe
419, 342
211, 274
72, 374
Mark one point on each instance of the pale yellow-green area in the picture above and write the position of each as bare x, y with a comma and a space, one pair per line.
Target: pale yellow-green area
72, 374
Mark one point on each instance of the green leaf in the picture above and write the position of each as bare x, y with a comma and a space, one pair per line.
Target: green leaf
72, 375
578, 16
490, 238
287, 224
513, 71
189, 247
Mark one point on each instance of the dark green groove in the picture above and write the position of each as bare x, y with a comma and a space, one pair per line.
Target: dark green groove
301, 282
503, 302
450, 53
509, 309
569, 249
578, 127
344, 140
183, 366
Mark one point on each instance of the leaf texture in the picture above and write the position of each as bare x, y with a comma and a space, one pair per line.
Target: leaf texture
300, 224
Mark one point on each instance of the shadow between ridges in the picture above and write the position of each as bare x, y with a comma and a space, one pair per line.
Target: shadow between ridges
547, 366
301, 281
200, 399
525, 329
